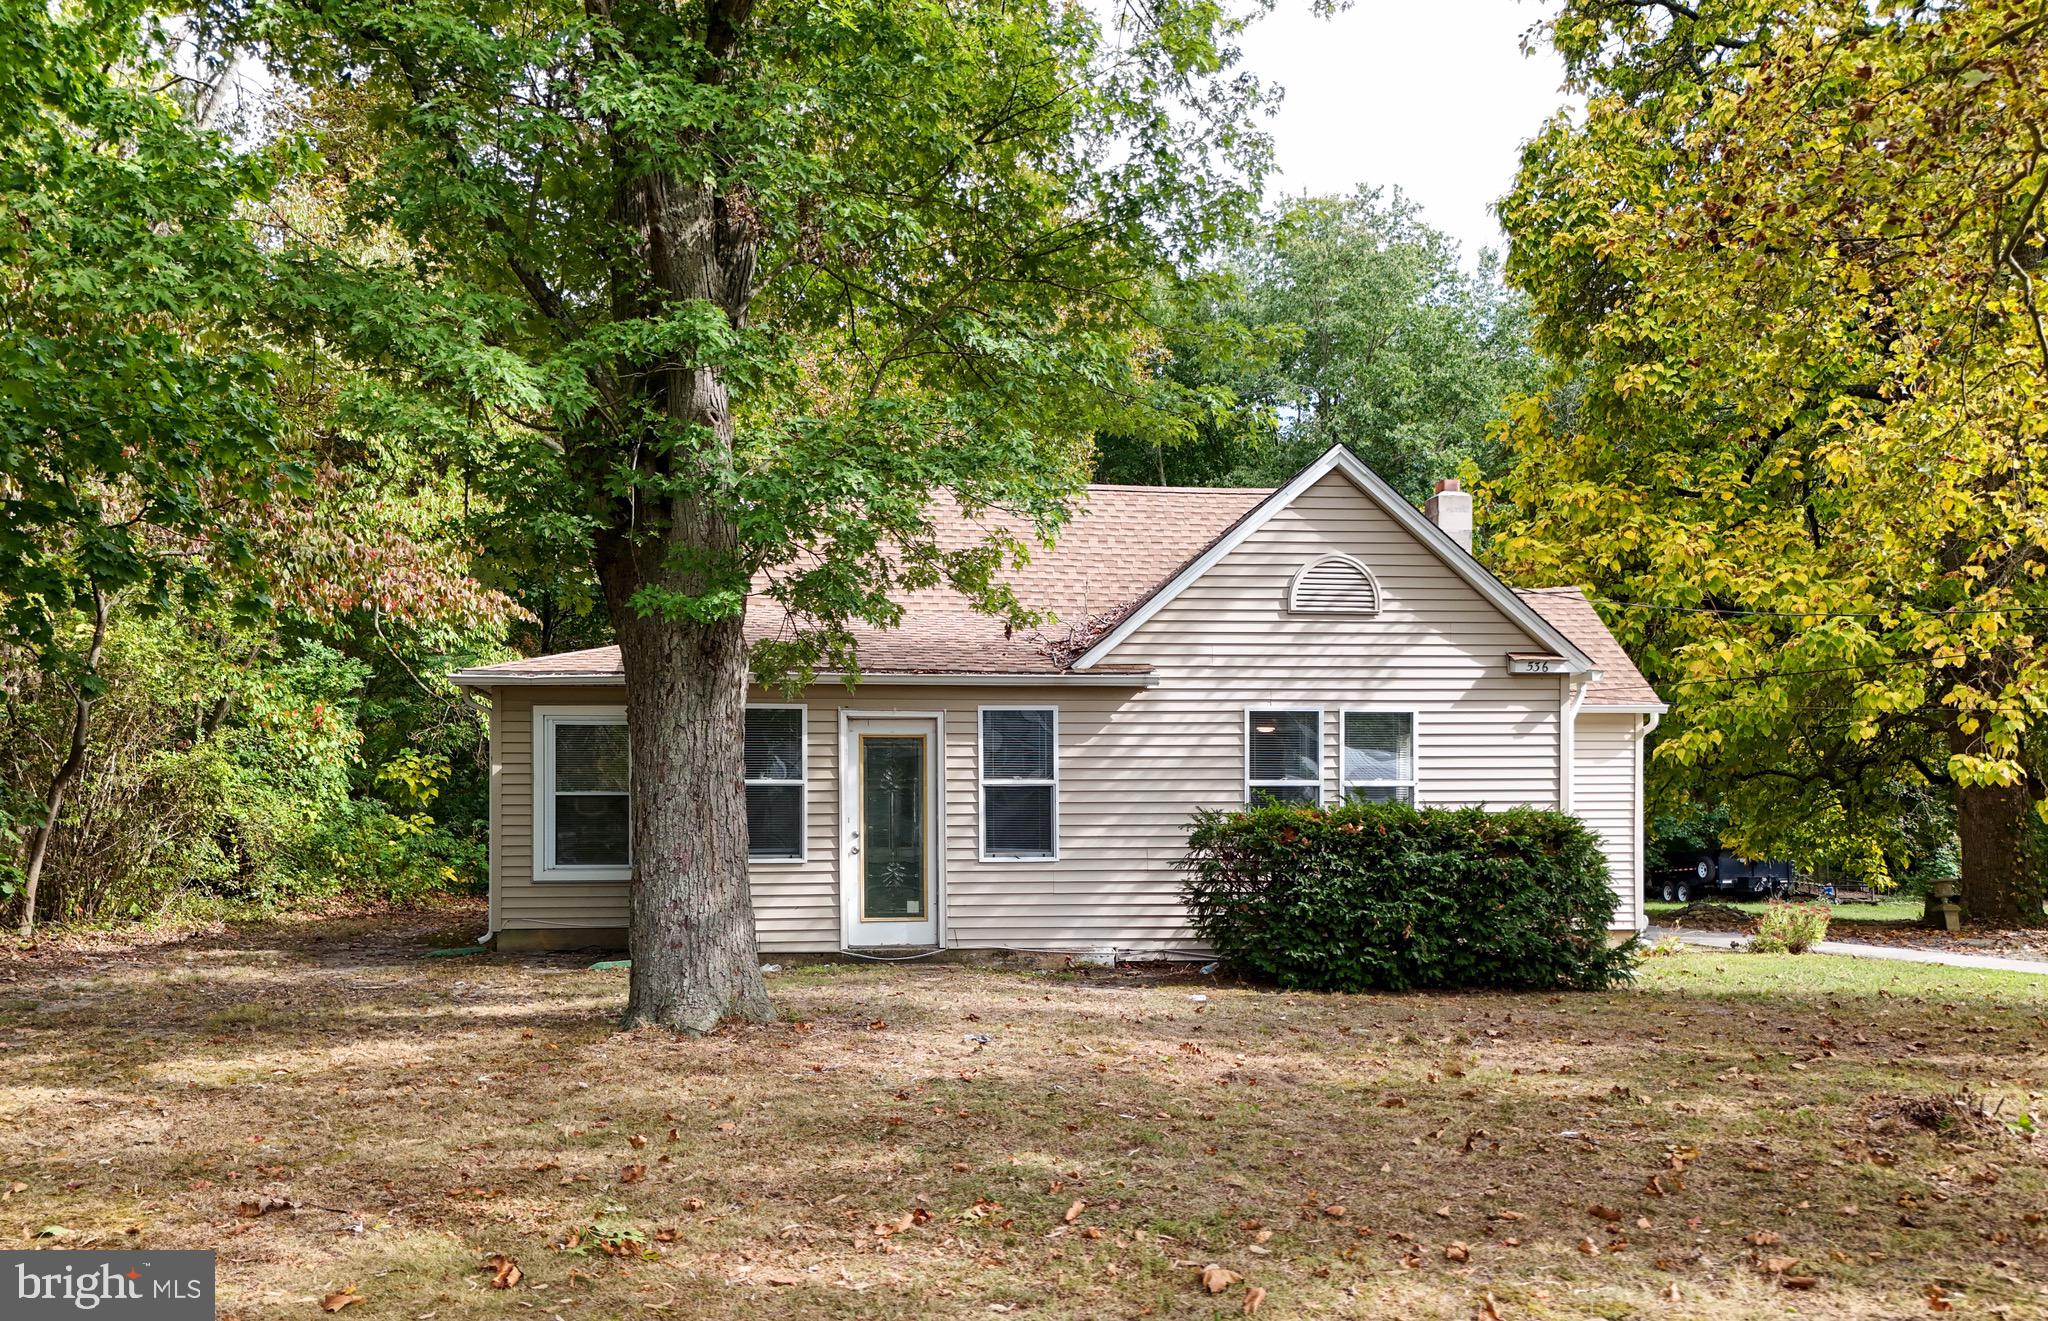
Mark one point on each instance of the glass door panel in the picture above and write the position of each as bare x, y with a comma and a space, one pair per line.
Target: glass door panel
895, 868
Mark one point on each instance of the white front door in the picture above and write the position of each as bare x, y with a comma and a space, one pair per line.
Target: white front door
890, 816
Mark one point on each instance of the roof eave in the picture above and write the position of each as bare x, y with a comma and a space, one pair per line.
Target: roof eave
485, 679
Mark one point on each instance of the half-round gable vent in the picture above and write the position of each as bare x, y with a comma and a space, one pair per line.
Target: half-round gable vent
1334, 585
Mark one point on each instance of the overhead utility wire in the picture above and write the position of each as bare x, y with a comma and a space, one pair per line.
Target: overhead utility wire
1820, 614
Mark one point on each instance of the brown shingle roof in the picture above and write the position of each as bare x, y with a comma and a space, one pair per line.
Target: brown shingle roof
1123, 544
1570, 613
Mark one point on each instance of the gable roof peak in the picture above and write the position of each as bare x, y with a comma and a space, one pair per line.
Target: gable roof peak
1339, 458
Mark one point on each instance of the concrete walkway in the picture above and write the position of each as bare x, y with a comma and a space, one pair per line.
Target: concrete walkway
1857, 949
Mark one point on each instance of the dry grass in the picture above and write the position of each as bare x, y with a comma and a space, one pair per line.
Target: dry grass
1694, 1147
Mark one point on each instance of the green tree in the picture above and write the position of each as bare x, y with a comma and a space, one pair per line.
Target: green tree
1341, 319
746, 285
135, 407
1787, 263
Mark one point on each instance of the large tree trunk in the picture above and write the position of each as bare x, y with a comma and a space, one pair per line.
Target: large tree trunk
2000, 884
694, 957
692, 934
2001, 878
669, 548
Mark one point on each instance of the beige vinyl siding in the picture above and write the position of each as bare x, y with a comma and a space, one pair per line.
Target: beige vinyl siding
1135, 763
1607, 796
796, 903
1132, 771
1436, 646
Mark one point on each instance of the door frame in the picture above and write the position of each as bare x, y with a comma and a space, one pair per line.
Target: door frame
849, 818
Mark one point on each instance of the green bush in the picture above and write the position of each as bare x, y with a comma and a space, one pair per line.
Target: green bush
1383, 896
367, 851
1790, 928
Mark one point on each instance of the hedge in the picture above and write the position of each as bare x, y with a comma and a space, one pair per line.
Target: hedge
1369, 896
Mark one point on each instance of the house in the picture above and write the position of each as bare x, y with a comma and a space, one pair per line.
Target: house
978, 789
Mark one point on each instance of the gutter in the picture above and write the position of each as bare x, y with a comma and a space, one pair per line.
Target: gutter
1059, 679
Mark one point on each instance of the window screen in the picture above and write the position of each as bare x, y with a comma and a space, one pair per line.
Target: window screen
592, 809
775, 783
1019, 783
1284, 758
1379, 756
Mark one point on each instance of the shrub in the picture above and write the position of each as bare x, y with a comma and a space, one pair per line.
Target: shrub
1381, 895
1790, 928
367, 851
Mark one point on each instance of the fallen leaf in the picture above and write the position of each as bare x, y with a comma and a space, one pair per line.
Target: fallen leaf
263, 1205
633, 1174
1801, 1281
1765, 1238
1074, 1211
1457, 1251
636, 1142
1586, 1246
1489, 1309
1253, 1297
1334, 1212
1777, 1265
1216, 1279
1671, 1294
1599, 1212
334, 1302
887, 1228
504, 1270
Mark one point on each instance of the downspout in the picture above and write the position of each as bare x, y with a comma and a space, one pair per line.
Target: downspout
1567, 742
494, 810
1642, 797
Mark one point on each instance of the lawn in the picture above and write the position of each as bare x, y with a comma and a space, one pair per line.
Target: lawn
1884, 910
1734, 1136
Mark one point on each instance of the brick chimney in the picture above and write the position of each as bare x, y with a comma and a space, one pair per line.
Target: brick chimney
1451, 509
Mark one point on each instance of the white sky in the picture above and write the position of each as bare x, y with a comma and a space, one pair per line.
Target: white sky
1432, 96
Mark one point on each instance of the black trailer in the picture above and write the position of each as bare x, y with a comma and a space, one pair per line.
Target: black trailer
1720, 875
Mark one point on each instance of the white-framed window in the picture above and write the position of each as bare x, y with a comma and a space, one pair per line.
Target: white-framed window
1283, 754
583, 816
776, 752
1020, 783
1379, 756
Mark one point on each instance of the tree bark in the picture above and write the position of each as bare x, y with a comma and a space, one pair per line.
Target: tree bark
692, 916
669, 545
68, 771
695, 961
694, 957
2000, 885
